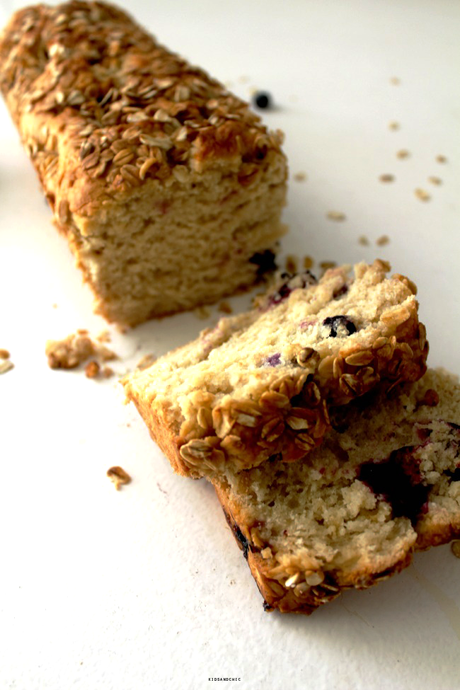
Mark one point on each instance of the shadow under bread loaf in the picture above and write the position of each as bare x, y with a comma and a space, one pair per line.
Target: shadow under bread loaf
353, 512
167, 187
262, 383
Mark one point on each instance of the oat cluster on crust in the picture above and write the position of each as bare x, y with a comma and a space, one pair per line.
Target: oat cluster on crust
128, 109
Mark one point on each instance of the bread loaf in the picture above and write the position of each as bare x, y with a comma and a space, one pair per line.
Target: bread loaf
167, 187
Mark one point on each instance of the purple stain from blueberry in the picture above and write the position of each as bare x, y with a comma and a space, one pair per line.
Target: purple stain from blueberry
262, 100
274, 360
339, 325
291, 283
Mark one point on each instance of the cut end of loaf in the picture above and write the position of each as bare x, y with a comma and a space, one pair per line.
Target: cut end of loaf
164, 183
352, 513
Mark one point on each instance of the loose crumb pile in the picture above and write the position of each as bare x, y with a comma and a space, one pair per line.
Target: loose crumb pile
77, 348
118, 476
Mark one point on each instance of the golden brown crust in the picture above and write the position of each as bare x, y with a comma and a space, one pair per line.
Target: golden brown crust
84, 82
301, 596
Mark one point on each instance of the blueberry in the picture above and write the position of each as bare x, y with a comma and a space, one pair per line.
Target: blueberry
339, 326
265, 262
262, 100
274, 360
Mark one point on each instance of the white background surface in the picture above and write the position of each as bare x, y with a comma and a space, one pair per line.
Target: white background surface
145, 588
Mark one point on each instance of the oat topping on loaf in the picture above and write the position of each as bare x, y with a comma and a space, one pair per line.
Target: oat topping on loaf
264, 382
352, 513
165, 184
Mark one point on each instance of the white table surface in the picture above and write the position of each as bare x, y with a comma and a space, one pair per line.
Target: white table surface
145, 588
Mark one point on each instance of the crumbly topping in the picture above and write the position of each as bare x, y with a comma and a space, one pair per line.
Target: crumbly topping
128, 108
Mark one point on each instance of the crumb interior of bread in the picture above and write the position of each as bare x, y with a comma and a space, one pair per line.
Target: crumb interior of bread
318, 514
172, 247
238, 359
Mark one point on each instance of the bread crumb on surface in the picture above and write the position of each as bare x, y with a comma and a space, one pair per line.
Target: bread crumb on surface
4, 354
118, 476
386, 177
435, 180
395, 81
75, 349
146, 361
363, 240
292, 264
394, 125
441, 159
325, 265
336, 215
307, 262
300, 177
455, 548
382, 240
92, 369
202, 312
403, 153
422, 194
225, 307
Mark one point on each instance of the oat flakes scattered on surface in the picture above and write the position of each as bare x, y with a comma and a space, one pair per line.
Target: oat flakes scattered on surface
403, 153
292, 264
308, 262
336, 215
422, 194
146, 361
300, 177
441, 159
118, 476
455, 548
394, 125
225, 307
386, 177
382, 240
435, 180
363, 240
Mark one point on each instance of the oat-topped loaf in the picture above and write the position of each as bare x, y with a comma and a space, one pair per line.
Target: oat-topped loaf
261, 383
167, 187
386, 482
